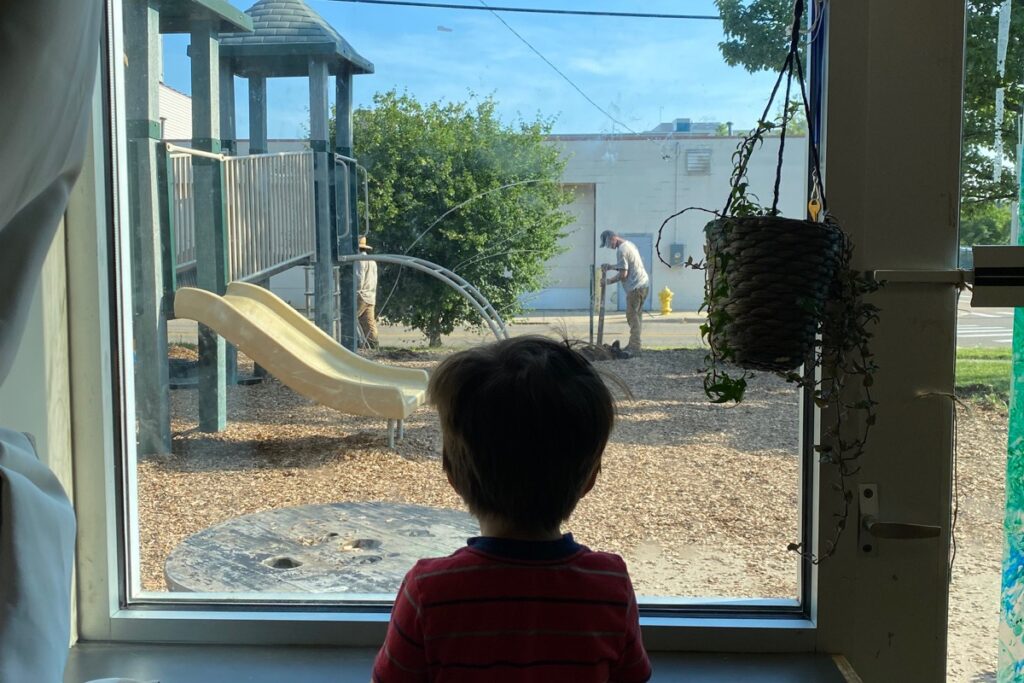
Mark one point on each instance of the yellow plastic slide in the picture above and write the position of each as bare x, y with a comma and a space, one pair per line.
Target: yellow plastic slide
301, 355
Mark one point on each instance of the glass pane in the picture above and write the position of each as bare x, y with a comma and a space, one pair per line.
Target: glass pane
494, 148
985, 339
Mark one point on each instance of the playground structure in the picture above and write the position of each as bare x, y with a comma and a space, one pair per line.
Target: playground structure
203, 217
304, 357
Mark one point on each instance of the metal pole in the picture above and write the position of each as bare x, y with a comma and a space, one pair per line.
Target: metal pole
142, 73
211, 227
324, 289
347, 214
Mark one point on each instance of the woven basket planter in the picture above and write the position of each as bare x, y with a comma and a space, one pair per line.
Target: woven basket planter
779, 274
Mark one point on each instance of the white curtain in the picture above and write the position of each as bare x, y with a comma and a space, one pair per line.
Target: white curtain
48, 55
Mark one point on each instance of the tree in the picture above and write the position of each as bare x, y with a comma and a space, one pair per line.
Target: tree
424, 160
756, 33
757, 38
985, 223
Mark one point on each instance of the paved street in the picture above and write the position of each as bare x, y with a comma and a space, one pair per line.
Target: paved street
991, 327
984, 326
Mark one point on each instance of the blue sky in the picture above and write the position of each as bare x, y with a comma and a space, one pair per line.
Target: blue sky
642, 71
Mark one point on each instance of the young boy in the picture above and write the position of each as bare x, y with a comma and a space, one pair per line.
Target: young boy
524, 424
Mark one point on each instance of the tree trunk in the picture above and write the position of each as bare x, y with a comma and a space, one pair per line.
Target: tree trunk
434, 339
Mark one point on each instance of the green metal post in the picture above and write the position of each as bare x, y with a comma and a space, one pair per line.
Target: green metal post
149, 245
210, 221
324, 267
347, 219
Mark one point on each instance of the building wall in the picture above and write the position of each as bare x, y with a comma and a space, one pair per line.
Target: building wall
569, 273
634, 183
175, 114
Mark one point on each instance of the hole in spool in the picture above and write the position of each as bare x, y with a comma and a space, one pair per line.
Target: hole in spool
282, 562
361, 544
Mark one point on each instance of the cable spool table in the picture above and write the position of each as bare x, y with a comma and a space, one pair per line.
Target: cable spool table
353, 548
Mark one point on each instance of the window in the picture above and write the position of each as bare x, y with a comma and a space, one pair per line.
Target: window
267, 460
749, 495
269, 464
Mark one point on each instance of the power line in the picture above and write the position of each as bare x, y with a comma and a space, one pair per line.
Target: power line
531, 10
555, 68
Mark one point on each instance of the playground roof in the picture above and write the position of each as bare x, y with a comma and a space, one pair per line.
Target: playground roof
285, 34
177, 17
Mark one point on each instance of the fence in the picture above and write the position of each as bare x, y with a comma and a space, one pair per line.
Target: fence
268, 206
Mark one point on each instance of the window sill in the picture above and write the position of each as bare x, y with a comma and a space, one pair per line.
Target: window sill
199, 663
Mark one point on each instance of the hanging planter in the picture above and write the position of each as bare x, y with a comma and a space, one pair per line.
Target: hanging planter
773, 277
780, 296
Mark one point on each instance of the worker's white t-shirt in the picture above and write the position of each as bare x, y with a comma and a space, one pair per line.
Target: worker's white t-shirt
629, 258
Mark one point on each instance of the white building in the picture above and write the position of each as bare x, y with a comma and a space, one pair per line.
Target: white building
632, 183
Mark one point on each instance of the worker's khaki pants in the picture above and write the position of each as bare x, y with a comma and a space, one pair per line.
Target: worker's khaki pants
634, 310
367, 323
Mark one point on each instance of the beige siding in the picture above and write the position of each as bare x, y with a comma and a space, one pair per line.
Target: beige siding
175, 114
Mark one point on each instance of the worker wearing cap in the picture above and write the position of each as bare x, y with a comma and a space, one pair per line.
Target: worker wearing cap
631, 273
366, 293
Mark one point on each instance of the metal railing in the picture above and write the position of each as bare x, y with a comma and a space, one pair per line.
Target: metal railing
268, 206
345, 164
183, 209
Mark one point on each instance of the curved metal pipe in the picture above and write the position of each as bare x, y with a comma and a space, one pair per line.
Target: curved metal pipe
471, 294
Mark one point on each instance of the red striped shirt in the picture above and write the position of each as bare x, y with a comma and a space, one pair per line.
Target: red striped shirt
507, 611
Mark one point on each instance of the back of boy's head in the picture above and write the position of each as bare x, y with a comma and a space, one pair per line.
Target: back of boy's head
524, 423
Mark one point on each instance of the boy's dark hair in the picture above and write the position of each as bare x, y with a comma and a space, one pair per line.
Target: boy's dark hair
524, 423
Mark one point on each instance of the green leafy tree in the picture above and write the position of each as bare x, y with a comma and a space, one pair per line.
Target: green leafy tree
756, 38
425, 160
756, 33
985, 223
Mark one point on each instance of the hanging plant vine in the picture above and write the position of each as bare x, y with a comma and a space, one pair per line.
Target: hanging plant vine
834, 365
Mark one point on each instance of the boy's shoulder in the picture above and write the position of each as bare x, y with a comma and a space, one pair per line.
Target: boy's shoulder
428, 564
464, 558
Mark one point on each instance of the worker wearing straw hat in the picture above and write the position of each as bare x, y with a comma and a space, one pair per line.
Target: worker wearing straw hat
366, 281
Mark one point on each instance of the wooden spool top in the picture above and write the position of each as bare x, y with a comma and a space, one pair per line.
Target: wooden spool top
349, 548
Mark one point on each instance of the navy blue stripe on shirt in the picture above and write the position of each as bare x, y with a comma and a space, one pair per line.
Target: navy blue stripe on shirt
534, 551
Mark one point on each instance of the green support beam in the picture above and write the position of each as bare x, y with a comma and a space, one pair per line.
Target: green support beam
347, 213
149, 257
210, 219
324, 267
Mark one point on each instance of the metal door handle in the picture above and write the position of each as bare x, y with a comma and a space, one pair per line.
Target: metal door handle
899, 530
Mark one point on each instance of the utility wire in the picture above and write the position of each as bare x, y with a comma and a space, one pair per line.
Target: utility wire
539, 10
558, 71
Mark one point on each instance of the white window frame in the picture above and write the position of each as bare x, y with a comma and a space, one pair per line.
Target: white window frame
98, 428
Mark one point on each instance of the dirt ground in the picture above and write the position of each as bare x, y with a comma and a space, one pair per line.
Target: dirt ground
701, 500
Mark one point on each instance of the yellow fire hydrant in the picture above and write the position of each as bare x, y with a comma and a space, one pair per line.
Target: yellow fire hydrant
665, 296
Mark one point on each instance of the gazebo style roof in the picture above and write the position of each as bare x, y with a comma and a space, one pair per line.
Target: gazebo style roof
285, 34
177, 17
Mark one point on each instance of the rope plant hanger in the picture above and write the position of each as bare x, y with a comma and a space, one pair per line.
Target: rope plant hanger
780, 296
